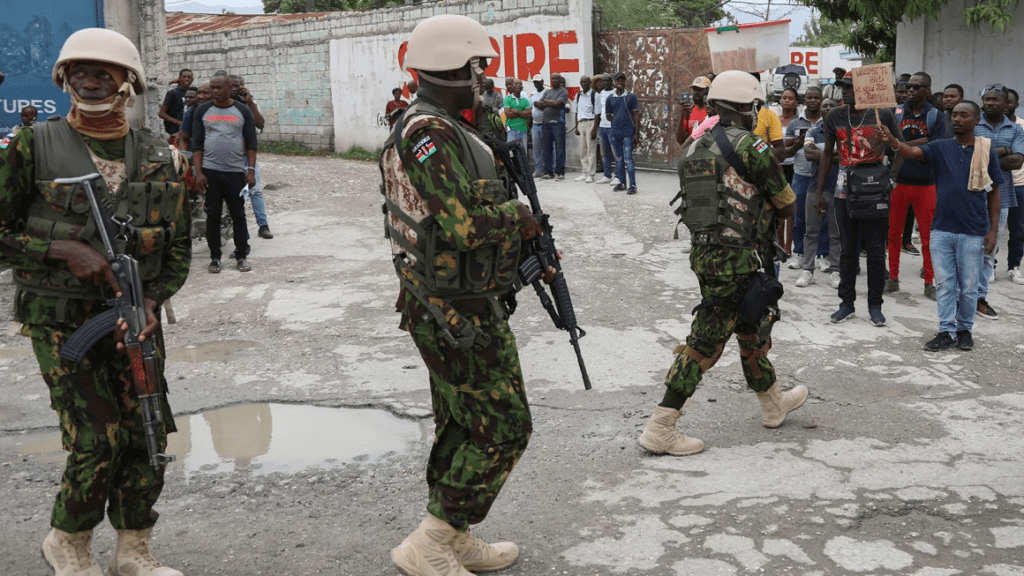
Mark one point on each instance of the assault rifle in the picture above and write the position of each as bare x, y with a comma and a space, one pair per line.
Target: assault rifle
540, 252
129, 307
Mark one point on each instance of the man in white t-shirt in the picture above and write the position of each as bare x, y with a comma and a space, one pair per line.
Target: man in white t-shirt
536, 128
586, 99
604, 129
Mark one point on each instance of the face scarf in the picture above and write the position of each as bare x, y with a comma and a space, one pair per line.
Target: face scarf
104, 120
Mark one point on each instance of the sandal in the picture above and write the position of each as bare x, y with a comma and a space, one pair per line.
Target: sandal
214, 267
243, 266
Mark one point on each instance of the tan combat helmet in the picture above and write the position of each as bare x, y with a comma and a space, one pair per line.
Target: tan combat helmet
735, 86
447, 42
107, 47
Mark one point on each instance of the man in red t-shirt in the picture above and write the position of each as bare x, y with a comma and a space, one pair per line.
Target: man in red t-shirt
693, 112
395, 106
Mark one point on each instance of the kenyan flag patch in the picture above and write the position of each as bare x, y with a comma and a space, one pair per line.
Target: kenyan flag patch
761, 146
424, 149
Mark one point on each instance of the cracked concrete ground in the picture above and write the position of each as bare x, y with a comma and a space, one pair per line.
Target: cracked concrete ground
901, 462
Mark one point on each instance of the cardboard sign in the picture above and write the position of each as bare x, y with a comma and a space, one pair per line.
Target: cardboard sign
873, 86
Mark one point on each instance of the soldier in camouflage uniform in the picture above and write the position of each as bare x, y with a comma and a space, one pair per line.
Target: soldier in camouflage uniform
47, 234
455, 237
730, 200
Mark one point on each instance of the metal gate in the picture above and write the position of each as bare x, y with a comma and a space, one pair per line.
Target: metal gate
660, 64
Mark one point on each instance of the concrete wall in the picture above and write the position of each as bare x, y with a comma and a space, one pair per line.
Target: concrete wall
324, 81
142, 21
952, 52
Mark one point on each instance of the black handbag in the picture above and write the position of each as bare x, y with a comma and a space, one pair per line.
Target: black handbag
868, 186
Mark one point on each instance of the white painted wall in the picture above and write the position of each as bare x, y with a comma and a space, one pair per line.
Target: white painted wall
951, 52
364, 70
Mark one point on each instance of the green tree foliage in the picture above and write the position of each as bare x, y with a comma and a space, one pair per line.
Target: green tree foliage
297, 6
819, 32
873, 22
636, 14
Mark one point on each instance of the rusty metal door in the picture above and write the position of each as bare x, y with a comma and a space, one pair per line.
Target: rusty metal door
660, 64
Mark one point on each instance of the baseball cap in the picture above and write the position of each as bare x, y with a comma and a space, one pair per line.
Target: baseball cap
538, 78
847, 80
619, 75
701, 82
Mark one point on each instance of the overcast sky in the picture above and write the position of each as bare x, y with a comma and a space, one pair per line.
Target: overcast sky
796, 27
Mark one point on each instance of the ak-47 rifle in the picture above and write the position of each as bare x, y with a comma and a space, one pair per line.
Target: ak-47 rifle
129, 307
540, 252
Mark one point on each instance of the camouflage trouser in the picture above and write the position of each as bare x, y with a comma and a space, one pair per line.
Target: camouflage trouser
101, 427
711, 329
481, 417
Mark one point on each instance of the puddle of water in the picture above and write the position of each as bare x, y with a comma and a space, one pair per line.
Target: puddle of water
263, 438
210, 351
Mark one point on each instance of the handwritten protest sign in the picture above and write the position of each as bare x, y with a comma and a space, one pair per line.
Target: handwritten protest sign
873, 86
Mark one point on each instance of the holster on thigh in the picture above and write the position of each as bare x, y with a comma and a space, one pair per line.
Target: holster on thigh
704, 362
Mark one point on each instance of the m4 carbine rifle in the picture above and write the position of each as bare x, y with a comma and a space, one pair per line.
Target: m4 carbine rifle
540, 252
129, 307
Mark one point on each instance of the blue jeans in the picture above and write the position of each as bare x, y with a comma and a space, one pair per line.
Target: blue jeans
990, 259
801, 185
957, 259
623, 148
1015, 222
516, 135
259, 210
538, 148
553, 143
605, 134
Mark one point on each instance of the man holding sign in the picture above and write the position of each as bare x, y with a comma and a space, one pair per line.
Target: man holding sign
861, 144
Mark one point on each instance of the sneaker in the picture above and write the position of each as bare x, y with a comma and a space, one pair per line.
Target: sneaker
631, 191
538, 174
1015, 275
964, 341
877, 318
892, 285
942, 341
548, 177
603, 180
843, 314
589, 180
580, 178
992, 274
821, 262
559, 176
834, 279
614, 182
911, 249
618, 188
929, 292
806, 279
794, 261
986, 311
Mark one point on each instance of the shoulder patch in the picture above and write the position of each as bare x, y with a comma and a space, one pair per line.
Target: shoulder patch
424, 149
5, 143
761, 146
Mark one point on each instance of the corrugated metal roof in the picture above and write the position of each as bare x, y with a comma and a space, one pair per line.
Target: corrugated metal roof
179, 23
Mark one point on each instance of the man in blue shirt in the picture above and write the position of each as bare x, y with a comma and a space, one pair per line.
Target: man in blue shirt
623, 109
1008, 142
964, 226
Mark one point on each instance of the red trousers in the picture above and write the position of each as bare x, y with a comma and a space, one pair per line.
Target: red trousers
922, 198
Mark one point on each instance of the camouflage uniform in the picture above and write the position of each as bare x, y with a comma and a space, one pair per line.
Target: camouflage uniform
481, 414
101, 423
721, 271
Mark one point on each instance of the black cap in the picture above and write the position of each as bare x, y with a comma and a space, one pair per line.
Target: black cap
619, 75
839, 69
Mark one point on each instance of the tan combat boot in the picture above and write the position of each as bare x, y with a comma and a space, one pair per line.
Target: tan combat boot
775, 405
661, 437
476, 555
133, 558
428, 551
70, 554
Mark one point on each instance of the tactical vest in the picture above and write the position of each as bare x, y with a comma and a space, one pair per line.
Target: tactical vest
437, 268
718, 212
62, 211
